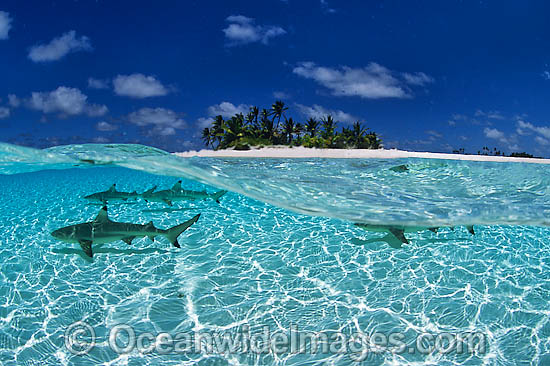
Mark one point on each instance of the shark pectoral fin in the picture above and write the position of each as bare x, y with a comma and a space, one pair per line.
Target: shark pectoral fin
470, 229
86, 246
128, 239
433, 229
399, 234
168, 202
125, 199
391, 240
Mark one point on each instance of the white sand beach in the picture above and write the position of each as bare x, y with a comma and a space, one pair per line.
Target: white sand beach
303, 152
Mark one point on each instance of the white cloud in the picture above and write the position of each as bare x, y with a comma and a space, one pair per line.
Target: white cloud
434, 134
542, 140
227, 110
281, 95
139, 86
509, 141
417, 78
98, 83
13, 100
96, 110
524, 128
242, 30
65, 101
100, 140
164, 121
490, 114
105, 126
5, 24
4, 112
546, 75
204, 122
318, 112
372, 82
59, 47
493, 133
224, 109
325, 7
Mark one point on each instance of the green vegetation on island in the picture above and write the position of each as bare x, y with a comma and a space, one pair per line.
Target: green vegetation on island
272, 127
494, 152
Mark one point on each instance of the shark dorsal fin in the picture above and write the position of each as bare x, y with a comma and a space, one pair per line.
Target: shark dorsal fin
150, 225
149, 191
177, 186
112, 188
102, 215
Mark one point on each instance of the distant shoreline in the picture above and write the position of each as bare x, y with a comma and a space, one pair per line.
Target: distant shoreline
303, 152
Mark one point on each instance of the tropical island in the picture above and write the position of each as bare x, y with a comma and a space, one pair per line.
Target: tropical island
270, 127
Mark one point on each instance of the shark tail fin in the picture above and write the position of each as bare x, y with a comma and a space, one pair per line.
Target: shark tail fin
216, 196
173, 233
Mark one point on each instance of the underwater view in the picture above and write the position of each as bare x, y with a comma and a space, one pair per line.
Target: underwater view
291, 261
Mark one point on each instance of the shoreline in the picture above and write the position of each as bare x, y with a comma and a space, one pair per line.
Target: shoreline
304, 153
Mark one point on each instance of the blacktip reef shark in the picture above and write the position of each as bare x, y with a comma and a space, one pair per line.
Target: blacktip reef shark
176, 193
102, 230
111, 195
398, 231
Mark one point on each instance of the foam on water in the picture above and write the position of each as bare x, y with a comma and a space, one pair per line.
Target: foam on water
250, 262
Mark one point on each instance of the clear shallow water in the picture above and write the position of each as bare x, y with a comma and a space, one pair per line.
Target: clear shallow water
249, 262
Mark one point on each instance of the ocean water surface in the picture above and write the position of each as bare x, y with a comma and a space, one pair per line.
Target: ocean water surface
279, 252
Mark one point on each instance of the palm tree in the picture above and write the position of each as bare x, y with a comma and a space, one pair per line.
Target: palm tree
298, 129
266, 126
328, 127
255, 112
206, 136
217, 131
288, 129
358, 131
277, 111
311, 126
234, 129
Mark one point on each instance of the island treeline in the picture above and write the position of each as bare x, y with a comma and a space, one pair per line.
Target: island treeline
272, 127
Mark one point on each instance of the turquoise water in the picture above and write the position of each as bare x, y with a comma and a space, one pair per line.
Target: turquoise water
260, 261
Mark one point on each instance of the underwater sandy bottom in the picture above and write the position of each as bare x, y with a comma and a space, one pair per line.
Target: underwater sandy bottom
249, 263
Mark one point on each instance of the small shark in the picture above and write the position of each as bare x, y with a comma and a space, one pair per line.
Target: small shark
102, 230
111, 195
176, 193
398, 232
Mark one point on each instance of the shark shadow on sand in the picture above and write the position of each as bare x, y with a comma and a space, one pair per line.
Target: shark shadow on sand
98, 249
103, 230
395, 243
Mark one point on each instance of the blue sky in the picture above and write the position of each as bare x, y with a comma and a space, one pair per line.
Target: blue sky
425, 75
